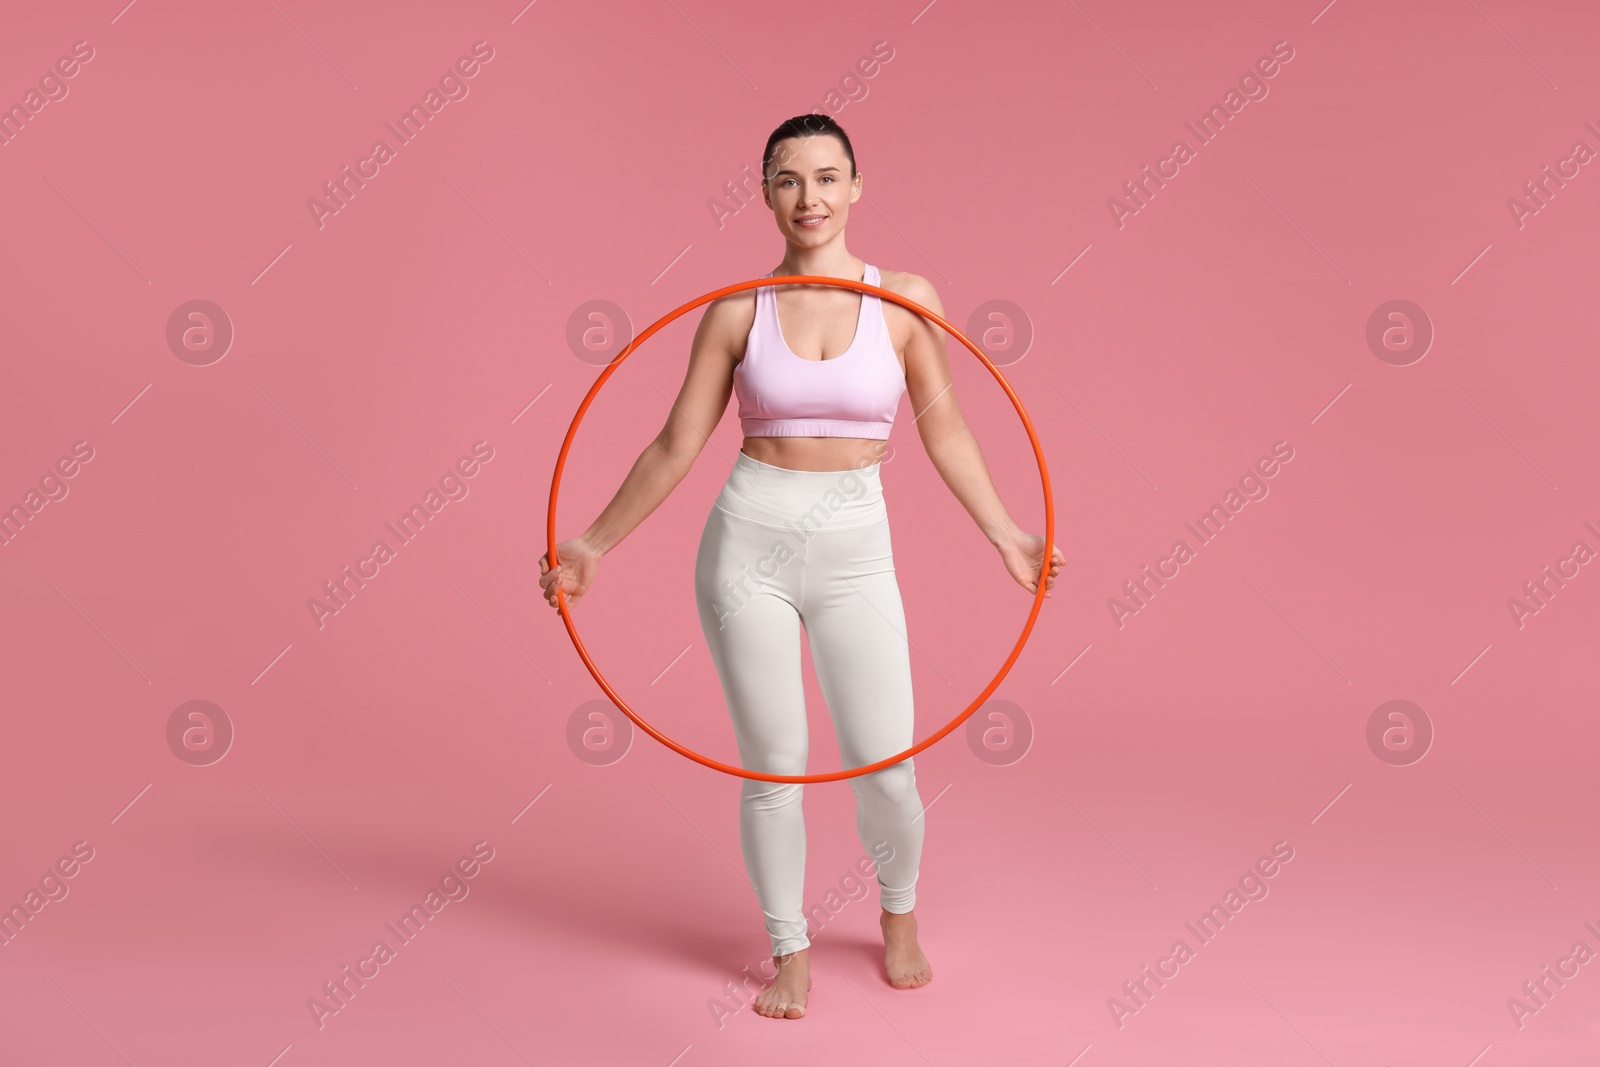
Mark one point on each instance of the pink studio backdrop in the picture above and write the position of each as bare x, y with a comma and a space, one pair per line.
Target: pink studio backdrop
1222, 335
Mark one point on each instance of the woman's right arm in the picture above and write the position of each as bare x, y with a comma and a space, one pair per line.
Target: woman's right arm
701, 401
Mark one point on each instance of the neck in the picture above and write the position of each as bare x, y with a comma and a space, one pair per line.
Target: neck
832, 261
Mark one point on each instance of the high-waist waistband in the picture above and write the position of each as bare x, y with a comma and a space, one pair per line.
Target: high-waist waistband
808, 500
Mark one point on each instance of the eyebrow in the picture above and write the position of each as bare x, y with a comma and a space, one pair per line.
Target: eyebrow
797, 173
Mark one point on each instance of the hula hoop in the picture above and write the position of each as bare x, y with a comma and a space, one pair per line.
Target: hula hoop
1038, 597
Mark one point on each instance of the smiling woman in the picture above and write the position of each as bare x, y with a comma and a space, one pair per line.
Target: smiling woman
819, 370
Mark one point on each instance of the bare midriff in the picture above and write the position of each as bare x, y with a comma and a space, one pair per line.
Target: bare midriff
816, 453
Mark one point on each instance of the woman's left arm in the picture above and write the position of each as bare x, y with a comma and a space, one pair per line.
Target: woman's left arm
954, 450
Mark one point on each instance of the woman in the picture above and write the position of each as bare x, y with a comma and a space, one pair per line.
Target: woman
800, 535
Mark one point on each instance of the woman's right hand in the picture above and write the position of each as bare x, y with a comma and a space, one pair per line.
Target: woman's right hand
575, 573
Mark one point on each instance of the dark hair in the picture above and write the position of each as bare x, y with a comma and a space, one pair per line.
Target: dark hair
809, 125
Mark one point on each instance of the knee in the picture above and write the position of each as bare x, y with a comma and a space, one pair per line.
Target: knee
768, 754
771, 796
895, 783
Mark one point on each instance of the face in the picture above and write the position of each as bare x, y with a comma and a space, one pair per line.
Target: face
809, 188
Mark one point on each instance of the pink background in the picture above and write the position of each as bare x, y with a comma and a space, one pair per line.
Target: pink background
433, 312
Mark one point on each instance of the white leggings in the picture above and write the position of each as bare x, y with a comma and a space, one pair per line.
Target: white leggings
780, 548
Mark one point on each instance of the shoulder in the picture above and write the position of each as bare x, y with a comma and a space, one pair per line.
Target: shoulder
727, 323
913, 287
734, 313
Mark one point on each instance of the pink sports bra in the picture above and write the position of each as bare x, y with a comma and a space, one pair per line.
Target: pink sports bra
853, 394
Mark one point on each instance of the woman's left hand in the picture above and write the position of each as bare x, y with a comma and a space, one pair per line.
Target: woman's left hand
1024, 557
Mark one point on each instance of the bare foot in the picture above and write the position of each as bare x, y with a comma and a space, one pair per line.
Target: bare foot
785, 998
902, 956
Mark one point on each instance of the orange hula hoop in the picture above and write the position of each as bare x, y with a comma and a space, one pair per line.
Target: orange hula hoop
1038, 597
